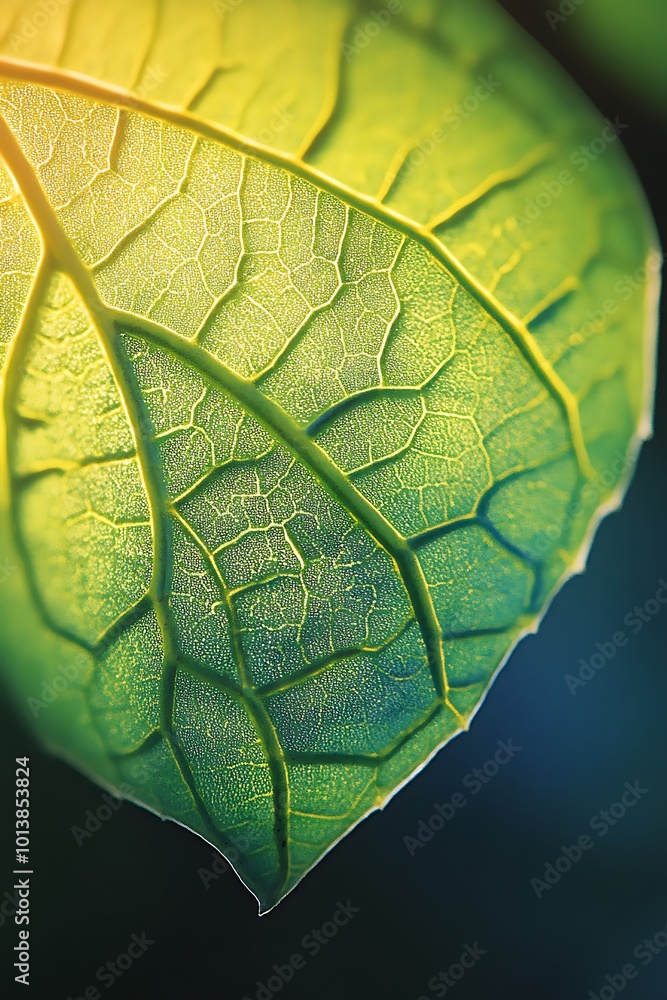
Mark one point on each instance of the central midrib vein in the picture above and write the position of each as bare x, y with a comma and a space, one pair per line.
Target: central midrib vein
284, 429
64, 256
518, 332
277, 421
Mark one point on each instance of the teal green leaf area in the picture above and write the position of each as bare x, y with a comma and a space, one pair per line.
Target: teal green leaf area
317, 377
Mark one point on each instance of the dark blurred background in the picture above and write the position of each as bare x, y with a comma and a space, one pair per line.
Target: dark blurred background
471, 884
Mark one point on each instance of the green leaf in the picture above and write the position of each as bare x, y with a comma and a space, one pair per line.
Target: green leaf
323, 356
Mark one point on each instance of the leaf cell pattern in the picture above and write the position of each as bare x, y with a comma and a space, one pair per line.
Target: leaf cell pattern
295, 454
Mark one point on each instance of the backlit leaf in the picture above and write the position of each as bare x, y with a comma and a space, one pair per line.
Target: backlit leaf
326, 341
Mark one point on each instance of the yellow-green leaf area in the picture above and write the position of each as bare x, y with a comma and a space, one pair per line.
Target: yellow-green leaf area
306, 414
